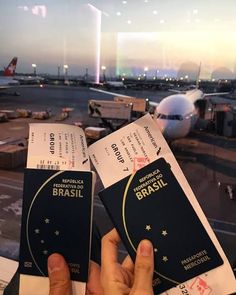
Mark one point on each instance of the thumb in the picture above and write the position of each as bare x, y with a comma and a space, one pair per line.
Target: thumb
143, 270
59, 275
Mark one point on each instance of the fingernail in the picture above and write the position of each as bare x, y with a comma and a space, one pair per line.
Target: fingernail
145, 248
55, 263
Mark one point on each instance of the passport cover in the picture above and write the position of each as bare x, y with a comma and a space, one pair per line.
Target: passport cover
150, 204
56, 217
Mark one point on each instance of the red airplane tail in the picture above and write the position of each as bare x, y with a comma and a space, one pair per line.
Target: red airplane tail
10, 70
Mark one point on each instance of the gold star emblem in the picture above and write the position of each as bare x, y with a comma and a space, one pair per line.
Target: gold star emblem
148, 227
155, 250
164, 233
45, 252
47, 220
42, 241
37, 231
165, 258
57, 232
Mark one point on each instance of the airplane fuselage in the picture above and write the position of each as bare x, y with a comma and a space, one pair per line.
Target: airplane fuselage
8, 81
176, 114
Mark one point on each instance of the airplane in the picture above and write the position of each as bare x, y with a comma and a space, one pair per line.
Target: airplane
29, 79
177, 114
114, 84
9, 71
7, 81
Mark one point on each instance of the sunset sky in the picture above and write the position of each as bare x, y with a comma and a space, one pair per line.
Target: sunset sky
159, 35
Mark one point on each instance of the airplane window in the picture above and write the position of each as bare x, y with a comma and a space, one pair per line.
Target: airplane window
178, 117
163, 116
71, 62
170, 117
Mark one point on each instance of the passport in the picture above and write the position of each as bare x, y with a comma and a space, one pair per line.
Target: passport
56, 217
150, 204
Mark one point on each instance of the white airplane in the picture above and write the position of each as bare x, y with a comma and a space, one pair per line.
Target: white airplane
7, 80
114, 84
29, 79
177, 114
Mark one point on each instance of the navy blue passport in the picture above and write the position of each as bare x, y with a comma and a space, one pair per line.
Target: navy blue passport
56, 217
151, 204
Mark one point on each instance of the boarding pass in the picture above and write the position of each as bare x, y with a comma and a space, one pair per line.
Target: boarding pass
57, 147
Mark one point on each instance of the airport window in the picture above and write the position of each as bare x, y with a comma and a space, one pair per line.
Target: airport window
99, 65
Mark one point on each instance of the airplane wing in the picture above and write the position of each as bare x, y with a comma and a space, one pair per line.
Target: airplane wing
152, 105
4, 87
108, 92
177, 91
215, 94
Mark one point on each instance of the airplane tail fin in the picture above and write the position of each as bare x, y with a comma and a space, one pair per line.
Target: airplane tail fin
10, 69
198, 76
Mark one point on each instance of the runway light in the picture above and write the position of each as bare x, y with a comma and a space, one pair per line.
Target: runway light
103, 68
118, 13
66, 69
34, 68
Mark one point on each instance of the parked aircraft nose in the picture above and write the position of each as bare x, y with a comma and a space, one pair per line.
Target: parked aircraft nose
172, 129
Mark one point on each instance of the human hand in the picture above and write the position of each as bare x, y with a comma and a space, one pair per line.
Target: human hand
59, 277
93, 286
126, 278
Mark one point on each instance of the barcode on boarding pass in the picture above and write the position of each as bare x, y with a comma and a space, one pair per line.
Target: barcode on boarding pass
48, 167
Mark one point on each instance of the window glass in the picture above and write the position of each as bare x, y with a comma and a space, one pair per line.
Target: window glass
145, 49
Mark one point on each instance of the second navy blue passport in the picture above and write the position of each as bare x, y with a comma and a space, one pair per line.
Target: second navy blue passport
56, 217
151, 204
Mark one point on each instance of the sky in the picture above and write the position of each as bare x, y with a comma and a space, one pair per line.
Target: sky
166, 38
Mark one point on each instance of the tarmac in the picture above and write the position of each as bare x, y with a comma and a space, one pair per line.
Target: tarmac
207, 160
